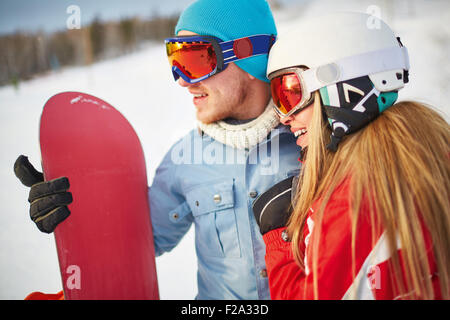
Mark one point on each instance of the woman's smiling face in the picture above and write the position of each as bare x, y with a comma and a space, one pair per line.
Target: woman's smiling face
299, 123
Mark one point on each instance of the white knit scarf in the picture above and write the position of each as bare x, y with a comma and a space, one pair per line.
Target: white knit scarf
242, 136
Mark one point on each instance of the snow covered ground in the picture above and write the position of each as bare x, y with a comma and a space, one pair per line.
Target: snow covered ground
140, 85
141, 88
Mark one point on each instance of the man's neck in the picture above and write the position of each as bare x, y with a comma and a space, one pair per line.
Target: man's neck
256, 101
236, 121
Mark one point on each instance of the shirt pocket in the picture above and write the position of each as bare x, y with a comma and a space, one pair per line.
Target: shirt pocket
212, 205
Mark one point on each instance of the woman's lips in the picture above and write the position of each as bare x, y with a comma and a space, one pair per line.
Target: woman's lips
299, 132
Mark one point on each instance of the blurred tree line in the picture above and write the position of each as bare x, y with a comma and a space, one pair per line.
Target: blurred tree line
23, 55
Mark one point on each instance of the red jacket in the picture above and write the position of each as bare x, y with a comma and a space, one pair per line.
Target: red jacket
334, 272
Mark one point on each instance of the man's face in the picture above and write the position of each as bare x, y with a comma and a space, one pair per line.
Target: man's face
221, 96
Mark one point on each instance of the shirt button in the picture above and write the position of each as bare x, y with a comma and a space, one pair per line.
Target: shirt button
217, 198
253, 194
175, 215
263, 273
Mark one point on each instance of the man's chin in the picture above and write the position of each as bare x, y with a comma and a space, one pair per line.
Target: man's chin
208, 119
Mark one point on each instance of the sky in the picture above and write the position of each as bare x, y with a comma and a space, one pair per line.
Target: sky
51, 15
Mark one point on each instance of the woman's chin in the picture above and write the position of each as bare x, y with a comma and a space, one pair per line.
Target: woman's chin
302, 141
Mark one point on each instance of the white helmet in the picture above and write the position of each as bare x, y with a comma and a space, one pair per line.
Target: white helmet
354, 59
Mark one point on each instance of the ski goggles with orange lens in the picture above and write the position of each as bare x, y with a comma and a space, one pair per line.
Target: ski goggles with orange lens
289, 93
196, 58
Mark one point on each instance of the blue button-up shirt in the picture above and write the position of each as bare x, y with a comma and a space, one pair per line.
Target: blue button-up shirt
206, 183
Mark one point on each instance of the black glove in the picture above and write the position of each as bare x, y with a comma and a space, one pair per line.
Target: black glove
272, 208
48, 199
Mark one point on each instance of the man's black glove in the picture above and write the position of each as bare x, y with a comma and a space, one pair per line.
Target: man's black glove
48, 199
272, 208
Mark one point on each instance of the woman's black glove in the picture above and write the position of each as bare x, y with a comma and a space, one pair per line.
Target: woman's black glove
48, 199
272, 208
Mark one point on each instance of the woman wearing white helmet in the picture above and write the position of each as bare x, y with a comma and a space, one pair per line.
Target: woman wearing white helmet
371, 215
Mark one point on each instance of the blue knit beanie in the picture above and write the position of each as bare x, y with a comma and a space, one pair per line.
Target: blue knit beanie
229, 20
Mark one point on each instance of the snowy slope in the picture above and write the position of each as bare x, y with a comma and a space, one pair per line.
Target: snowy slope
140, 85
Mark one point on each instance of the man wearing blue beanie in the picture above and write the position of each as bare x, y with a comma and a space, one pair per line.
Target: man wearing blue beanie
212, 176
228, 20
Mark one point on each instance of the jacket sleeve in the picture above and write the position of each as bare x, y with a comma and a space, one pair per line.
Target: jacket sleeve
334, 273
170, 214
285, 276
287, 281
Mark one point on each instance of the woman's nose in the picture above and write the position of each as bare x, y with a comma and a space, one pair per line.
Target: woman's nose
286, 120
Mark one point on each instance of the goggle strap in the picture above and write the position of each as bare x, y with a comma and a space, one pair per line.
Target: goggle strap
255, 45
231, 51
356, 66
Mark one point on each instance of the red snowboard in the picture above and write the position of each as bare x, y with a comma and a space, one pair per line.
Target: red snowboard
105, 247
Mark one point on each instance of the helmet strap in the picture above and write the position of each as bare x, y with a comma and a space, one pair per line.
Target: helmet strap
350, 105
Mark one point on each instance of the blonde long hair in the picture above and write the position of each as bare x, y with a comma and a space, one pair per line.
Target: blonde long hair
402, 160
